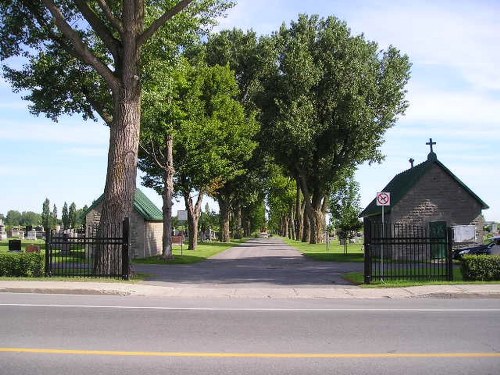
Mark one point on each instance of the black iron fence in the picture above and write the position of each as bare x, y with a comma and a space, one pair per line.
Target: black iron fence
102, 251
408, 252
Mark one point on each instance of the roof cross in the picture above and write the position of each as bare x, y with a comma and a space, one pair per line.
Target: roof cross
430, 143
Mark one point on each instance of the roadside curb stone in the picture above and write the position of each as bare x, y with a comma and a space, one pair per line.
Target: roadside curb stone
198, 291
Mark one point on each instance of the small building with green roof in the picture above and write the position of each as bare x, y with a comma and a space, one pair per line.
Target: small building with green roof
429, 192
146, 225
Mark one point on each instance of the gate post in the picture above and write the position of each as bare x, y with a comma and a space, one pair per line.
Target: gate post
449, 258
125, 248
368, 254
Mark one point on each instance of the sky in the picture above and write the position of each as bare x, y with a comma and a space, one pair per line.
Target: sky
453, 94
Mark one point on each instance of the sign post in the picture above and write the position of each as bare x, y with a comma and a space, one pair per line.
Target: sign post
383, 199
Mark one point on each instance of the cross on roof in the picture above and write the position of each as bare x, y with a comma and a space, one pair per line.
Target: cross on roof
430, 143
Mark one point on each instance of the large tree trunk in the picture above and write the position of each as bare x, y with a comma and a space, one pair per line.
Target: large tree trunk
313, 211
299, 225
194, 214
306, 233
224, 219
238, 230
121, 173
284, 226
168, 194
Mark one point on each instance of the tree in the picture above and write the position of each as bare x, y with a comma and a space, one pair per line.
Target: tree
85, 57
209, 221
54, 220
46, 216
30, 218
250, 58
81, 216
13, 218
281, 196
65, 216
327, 104
212, 133
73, 216
345, 208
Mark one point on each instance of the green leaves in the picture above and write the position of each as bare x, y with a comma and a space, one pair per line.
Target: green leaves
331, 99
212, 133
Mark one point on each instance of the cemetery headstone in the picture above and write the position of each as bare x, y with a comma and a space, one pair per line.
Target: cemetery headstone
32, 248
3, 234
14, 245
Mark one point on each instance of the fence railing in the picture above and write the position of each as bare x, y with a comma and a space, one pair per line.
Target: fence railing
408, 252
102, 251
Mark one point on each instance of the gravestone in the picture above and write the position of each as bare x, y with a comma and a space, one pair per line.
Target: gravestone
31, 235
32, 248
14, 245
3, 234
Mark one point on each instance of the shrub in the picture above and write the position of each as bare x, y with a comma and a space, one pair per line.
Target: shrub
22, 265
481, 267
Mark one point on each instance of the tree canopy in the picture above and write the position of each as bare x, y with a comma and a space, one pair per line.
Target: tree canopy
327, 104
87, 58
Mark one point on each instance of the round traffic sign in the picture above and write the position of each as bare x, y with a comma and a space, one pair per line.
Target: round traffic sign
383, 199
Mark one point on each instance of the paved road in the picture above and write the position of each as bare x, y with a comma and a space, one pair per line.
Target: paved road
259, 262
78, 335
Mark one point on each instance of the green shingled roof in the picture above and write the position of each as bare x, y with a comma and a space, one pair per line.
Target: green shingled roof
142, 205
401, 184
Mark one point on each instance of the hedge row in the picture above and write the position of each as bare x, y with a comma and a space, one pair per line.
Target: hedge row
481, 267
22, 265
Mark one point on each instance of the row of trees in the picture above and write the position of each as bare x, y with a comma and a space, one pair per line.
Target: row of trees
71, 217
25, 218
230, 115
302, 108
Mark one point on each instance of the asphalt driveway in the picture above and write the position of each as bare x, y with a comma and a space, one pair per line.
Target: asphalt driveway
262, 262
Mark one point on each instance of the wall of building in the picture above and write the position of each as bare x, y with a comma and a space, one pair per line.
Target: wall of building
438, 197
153, 235
435, 197
145, 237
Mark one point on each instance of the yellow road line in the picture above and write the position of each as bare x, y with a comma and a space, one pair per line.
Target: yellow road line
248, 355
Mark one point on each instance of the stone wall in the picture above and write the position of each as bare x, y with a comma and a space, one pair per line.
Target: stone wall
153, 235
438, 197
145, 237
435, 197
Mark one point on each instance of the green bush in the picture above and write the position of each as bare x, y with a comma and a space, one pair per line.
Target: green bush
481, 267
22, 265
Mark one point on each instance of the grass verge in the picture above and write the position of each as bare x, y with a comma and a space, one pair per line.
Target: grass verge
203, 251
138, 277
358, 279
333, 253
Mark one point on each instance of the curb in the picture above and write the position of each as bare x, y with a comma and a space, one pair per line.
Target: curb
236, 292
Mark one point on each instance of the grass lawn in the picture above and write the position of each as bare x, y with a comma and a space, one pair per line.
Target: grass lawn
203, 251
334, 252
4, 244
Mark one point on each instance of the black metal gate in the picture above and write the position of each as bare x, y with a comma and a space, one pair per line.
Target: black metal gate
102, 251
395, 251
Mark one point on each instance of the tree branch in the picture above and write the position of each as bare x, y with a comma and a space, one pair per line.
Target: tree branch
99, 27
80, 48
162, 20
110, 16
153, 154
98, 106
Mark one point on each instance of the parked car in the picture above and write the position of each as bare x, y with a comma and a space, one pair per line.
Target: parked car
491, 248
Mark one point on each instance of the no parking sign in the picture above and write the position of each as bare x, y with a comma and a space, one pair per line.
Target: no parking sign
383, 198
